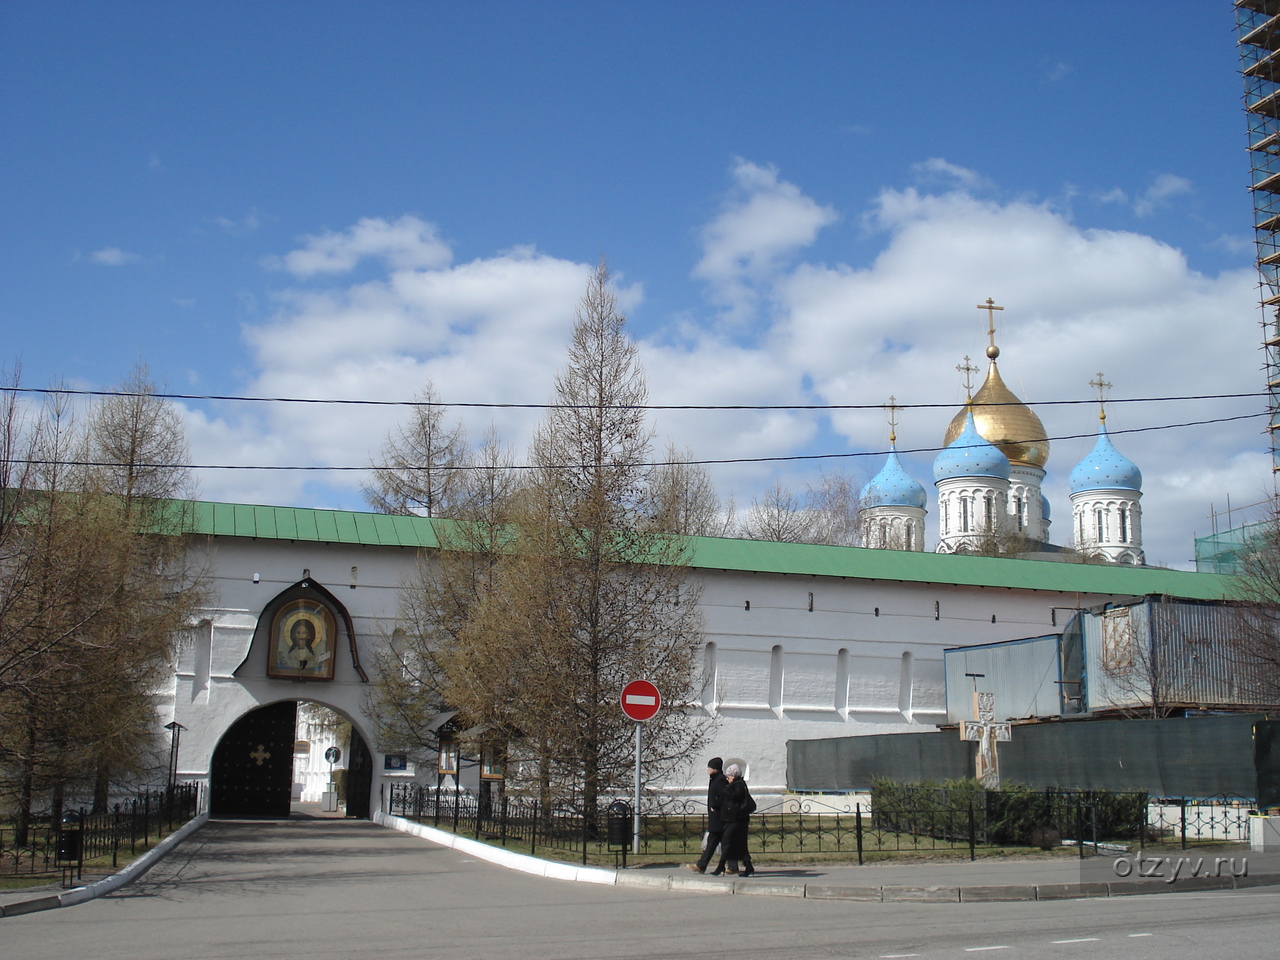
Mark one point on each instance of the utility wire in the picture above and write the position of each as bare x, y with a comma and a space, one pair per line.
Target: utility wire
656, 463
61, 391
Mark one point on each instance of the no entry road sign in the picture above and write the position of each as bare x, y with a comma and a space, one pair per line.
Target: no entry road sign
640, 700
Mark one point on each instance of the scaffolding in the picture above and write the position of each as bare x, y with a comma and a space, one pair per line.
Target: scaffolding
1258, 23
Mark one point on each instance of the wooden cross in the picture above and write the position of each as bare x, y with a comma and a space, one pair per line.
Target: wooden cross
1102, 387
991, 308
987, 732
260, 754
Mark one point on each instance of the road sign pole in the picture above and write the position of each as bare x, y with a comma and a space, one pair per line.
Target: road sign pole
640, 702
635, 847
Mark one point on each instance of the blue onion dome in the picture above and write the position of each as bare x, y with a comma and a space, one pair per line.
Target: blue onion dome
1044, 507
969, 455
1105, 468
893, 486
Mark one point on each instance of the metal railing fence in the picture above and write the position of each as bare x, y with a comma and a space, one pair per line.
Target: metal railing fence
798, 826
1190, 820
149, 814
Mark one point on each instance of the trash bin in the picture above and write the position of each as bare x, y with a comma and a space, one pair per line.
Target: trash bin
70, 837
619, 823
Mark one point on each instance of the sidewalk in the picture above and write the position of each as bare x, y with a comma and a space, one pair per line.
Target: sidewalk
14, 903
958, 881
940, 881
943, 881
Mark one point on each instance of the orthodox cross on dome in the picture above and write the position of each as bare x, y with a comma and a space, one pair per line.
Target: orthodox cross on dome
1102, 387
968, 369
990, 306
893, 408
987, 731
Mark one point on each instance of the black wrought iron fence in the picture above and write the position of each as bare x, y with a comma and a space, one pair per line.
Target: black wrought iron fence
796, 827
129, 826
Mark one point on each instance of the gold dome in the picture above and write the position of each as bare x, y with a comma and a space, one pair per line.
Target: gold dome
1003, 419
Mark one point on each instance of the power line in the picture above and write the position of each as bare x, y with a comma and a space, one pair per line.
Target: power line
62, 391
656, 463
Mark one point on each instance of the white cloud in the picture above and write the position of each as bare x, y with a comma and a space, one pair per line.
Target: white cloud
1077, 301
114, 257
1162, 189
246, 225
939, 171
407, 244
761, 225
492, 330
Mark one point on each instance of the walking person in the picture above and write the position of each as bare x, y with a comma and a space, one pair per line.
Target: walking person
715, 826
736, 807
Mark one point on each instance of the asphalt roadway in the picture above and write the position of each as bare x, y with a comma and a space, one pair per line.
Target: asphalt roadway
321, 889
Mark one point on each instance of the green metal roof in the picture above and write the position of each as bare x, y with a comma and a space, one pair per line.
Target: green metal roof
800, 559
913, 567
315, 526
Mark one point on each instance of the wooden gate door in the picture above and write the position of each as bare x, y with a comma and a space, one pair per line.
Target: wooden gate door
359, 777
252, 770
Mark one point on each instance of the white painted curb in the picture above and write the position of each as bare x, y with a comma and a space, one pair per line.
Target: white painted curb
506, 858
134, 870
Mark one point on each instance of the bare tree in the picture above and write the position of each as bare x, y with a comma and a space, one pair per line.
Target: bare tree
585, 592
439, 601
94, 588
420, 468
826, 513
685, 500
1254, 636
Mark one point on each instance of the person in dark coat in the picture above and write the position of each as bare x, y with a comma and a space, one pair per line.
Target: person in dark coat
715, 826
736, 807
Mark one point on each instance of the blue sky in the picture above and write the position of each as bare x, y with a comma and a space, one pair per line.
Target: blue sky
803, 203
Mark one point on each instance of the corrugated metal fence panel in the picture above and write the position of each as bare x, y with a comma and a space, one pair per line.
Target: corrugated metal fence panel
1022, 674
1177, 653
1198, 663
1114, 658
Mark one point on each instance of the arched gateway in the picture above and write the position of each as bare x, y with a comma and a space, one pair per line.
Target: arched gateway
240, 682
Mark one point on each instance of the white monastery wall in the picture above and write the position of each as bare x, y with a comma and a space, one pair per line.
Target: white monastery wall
787, 657
804, 657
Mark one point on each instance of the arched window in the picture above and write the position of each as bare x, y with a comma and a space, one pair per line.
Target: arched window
908, 545
1124, 525
964, 514
1100, 524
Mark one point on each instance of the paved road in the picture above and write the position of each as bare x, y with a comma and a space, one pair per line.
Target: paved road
322, 889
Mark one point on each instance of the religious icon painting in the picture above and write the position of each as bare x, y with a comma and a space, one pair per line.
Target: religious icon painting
303, 635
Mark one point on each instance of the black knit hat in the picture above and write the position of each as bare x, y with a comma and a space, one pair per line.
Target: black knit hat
715, 763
